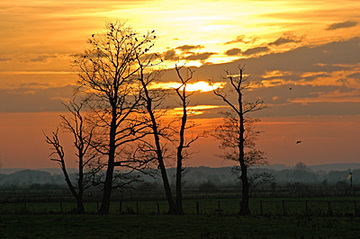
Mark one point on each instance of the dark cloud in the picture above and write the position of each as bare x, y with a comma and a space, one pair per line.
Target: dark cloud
170, 55
189, 47
242, 39
343, 81
319, 61
315, 76
200, 56
334, 56
286, 38
256, 50
42, 58
329, 57
5, 59
355, 75
311, 109
34, 100
233, 52
340, 25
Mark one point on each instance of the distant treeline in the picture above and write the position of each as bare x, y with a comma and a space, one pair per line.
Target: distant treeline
196, 176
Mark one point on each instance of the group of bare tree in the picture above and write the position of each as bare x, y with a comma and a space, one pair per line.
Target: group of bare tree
117, 119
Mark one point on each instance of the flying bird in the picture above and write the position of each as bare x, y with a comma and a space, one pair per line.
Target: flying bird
298, 142
290, 88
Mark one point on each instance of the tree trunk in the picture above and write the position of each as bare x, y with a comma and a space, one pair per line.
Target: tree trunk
80, 205
105, 204
244, 205
167, 188
169, 196
182, 95
179, 204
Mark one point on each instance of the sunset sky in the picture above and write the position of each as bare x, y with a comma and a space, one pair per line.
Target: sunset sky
304, 54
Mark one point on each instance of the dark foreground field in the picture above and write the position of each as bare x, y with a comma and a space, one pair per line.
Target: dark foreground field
164, 226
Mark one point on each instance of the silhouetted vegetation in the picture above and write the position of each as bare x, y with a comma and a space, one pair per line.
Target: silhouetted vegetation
236, 134
123, 145
85, 155
282, 182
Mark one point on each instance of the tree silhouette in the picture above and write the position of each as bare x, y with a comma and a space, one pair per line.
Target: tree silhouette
236, 134
82, 134
107, 71
182, 144
153, 149
153, 102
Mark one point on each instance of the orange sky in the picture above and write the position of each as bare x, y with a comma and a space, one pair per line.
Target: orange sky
312, 47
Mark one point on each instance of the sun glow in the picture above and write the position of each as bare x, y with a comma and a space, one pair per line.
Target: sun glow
200, 86
192, 110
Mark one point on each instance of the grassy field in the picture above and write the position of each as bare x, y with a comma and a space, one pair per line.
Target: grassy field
165, 226
337, 206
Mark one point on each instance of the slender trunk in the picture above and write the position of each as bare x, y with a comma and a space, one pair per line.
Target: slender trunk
80, 206
244, 205
179, 204
159, 153
244, 208
162, 167
80, 209
80, 203
169, 196
105, 204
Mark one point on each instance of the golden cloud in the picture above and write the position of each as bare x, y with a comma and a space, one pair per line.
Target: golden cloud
192, 110
200, 86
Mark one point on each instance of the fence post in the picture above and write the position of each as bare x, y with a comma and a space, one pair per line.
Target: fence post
261, 208
197, 208
284, 208
330, 213
158, 207
306, 208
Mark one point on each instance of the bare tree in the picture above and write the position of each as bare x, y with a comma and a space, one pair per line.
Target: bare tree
236, 133
152, 100
82, 135
182, 144
107, 70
